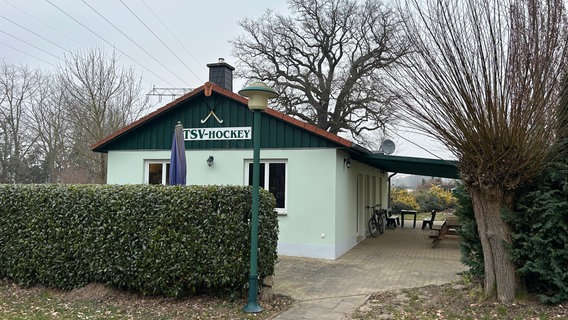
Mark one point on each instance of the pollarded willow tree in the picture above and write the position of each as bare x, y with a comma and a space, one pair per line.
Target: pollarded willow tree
327, 61
486, 80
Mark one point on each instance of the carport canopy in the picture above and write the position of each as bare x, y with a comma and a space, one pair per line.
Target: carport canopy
410, 165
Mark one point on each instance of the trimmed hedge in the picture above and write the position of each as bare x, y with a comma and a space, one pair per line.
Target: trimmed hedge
157, 240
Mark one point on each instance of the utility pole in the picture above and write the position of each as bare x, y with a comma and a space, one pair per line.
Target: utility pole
167, 92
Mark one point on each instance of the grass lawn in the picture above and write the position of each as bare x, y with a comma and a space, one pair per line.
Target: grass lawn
98, 302
455, 301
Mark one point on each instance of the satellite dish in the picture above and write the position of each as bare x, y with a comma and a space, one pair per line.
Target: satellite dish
387, 147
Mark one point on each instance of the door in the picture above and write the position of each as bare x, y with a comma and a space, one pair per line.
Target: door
367, 207
363, 206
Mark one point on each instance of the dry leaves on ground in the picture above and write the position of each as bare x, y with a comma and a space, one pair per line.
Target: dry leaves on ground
96, 301
452, 301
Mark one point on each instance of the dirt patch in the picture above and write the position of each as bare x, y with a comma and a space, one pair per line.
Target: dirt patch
92, 291
452, 301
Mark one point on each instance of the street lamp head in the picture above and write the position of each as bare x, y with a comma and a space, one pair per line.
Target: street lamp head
258, 94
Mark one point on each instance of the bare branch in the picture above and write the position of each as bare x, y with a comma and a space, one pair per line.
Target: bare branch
487, 79
326, 61
99, 98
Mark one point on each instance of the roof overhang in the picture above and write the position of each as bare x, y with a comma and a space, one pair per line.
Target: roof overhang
410, 165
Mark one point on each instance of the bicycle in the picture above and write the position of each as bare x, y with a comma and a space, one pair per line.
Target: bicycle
377, 221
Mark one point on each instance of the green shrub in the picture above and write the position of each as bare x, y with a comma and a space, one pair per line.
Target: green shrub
470, 244
540, 234
402, 200
435, 198
158, 240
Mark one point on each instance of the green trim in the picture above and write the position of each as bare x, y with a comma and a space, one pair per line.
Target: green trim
417, 166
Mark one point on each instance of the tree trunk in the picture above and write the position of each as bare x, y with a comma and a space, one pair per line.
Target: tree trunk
101, 176
51, 168
495, 236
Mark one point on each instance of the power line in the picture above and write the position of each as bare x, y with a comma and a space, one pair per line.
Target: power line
417, 145
28, 54
117, 49
31, 45
36, 19
134, 42
38, 35
170, 32
158, 38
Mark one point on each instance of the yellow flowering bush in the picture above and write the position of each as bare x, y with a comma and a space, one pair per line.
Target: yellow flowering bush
403, 200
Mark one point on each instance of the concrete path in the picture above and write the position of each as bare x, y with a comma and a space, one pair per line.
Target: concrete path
399, 258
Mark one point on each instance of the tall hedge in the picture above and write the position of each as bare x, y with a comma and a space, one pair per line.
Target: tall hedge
157, 240
540, 236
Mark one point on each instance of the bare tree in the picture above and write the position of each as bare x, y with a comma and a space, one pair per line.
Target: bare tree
326, 61
17, 86
486, 80
100, 98
51, 127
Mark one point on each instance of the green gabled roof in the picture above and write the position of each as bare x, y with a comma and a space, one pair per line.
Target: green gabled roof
154, 131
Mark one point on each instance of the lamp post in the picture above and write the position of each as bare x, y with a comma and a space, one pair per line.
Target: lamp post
258, 94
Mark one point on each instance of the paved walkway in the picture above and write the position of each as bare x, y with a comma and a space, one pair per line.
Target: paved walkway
399, 258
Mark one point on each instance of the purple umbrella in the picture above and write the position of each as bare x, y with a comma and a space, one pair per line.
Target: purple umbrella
177, 159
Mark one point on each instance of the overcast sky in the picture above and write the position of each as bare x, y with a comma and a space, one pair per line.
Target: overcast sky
39, 33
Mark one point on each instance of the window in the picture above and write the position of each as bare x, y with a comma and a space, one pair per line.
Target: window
272, 178
157, 172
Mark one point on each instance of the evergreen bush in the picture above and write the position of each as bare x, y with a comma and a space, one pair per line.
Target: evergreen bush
540, 234
470, 244
157, 240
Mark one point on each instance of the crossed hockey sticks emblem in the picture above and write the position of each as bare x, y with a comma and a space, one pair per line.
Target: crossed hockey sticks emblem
211, 113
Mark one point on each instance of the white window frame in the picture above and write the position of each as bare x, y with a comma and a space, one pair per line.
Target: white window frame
163, 162
248, 162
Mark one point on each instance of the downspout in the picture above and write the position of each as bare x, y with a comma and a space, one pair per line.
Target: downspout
389, 199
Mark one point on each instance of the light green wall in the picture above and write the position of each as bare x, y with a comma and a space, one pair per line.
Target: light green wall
127, 167
309, 219
308, 229
350, 181
345, 200
320, 220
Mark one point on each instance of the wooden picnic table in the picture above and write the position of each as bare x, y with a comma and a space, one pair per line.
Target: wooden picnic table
450, 226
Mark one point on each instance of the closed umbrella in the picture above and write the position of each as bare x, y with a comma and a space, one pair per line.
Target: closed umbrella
177, 160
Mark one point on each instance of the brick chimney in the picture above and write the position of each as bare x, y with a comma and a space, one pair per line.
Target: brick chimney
221, 73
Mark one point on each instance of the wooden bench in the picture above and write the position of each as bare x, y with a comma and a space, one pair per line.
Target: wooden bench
429, 221
450, 226
392, 220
